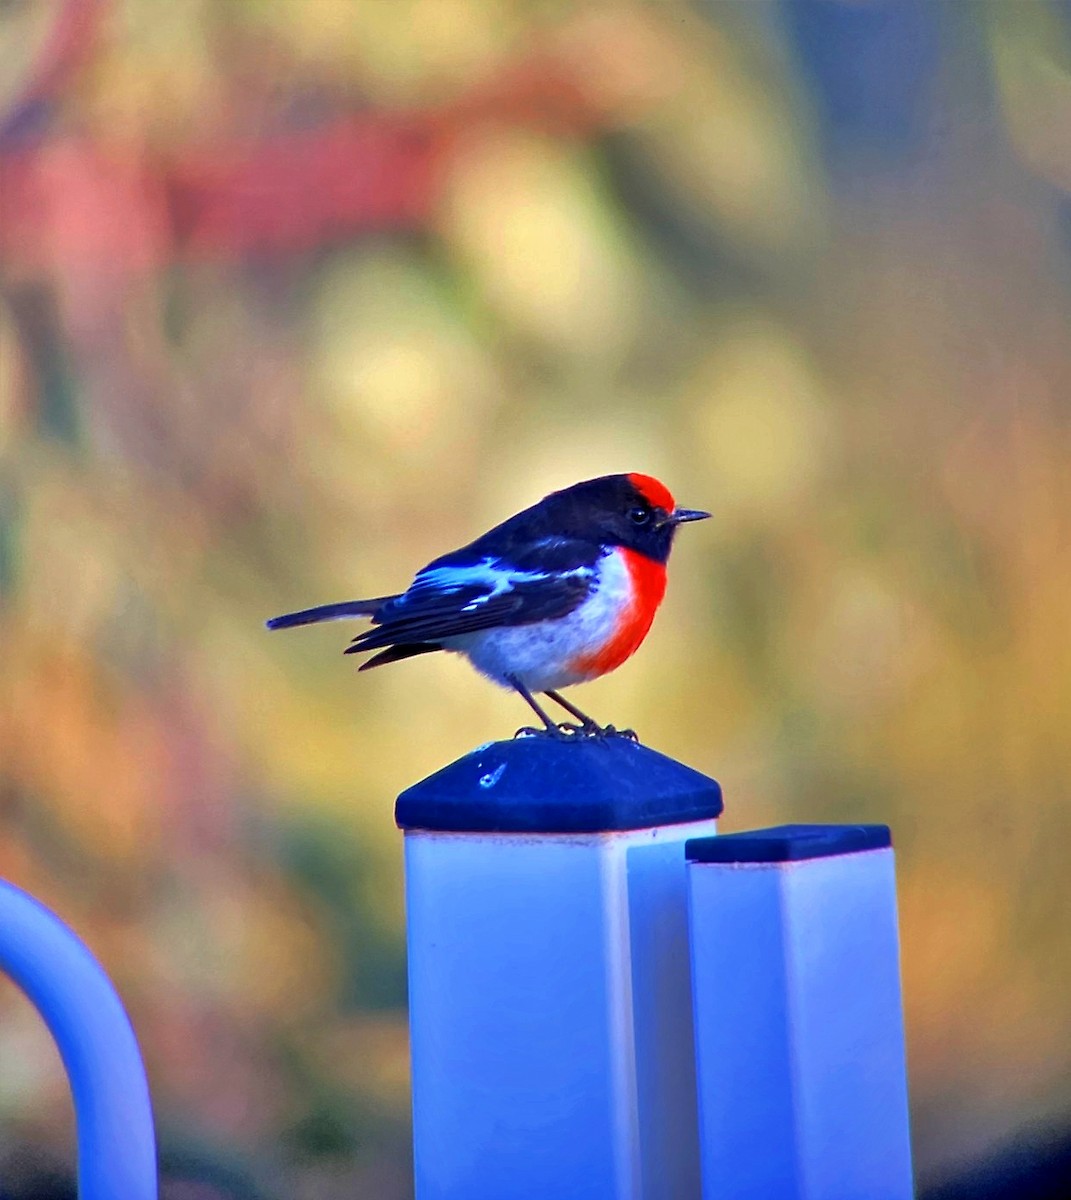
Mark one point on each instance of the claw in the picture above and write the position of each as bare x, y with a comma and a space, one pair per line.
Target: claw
609, 731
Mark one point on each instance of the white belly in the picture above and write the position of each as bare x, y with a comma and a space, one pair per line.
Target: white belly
540, 655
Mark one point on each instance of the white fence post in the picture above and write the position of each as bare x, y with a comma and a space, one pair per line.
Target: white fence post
799, 1028
549, 990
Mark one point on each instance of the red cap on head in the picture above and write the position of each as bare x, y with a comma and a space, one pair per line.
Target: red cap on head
654, 492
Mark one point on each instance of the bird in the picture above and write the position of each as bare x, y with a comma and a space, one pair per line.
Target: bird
557, 595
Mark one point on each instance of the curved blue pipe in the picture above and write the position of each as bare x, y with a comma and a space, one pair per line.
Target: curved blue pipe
68, 987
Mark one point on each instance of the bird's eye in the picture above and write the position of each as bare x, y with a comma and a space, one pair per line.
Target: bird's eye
639, 515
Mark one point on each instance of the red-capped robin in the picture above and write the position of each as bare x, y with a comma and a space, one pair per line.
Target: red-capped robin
559, 594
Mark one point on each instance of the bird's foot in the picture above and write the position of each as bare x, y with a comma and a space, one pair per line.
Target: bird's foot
611, 731
568, 731
563, 731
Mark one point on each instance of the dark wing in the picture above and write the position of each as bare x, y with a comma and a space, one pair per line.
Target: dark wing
454, 596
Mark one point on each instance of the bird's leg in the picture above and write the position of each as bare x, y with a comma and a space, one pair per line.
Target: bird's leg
550, 727
588, 725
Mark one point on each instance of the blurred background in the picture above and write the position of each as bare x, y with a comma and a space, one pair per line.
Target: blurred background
296, 294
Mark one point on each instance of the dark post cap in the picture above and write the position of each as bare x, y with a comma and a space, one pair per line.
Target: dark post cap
788, 843
548, 785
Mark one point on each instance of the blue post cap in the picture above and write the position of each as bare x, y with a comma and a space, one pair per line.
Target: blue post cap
788, 843
551, 785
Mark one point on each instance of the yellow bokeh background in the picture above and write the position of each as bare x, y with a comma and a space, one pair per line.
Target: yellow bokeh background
539, 242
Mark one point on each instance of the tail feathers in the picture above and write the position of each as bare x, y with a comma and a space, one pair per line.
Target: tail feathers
329, 612
396, 653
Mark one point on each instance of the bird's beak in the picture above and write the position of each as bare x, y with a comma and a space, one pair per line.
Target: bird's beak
679, 515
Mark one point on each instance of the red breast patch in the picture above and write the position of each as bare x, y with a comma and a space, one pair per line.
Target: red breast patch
648, 587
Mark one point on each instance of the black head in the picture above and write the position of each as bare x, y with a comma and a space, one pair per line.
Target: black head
634, 511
